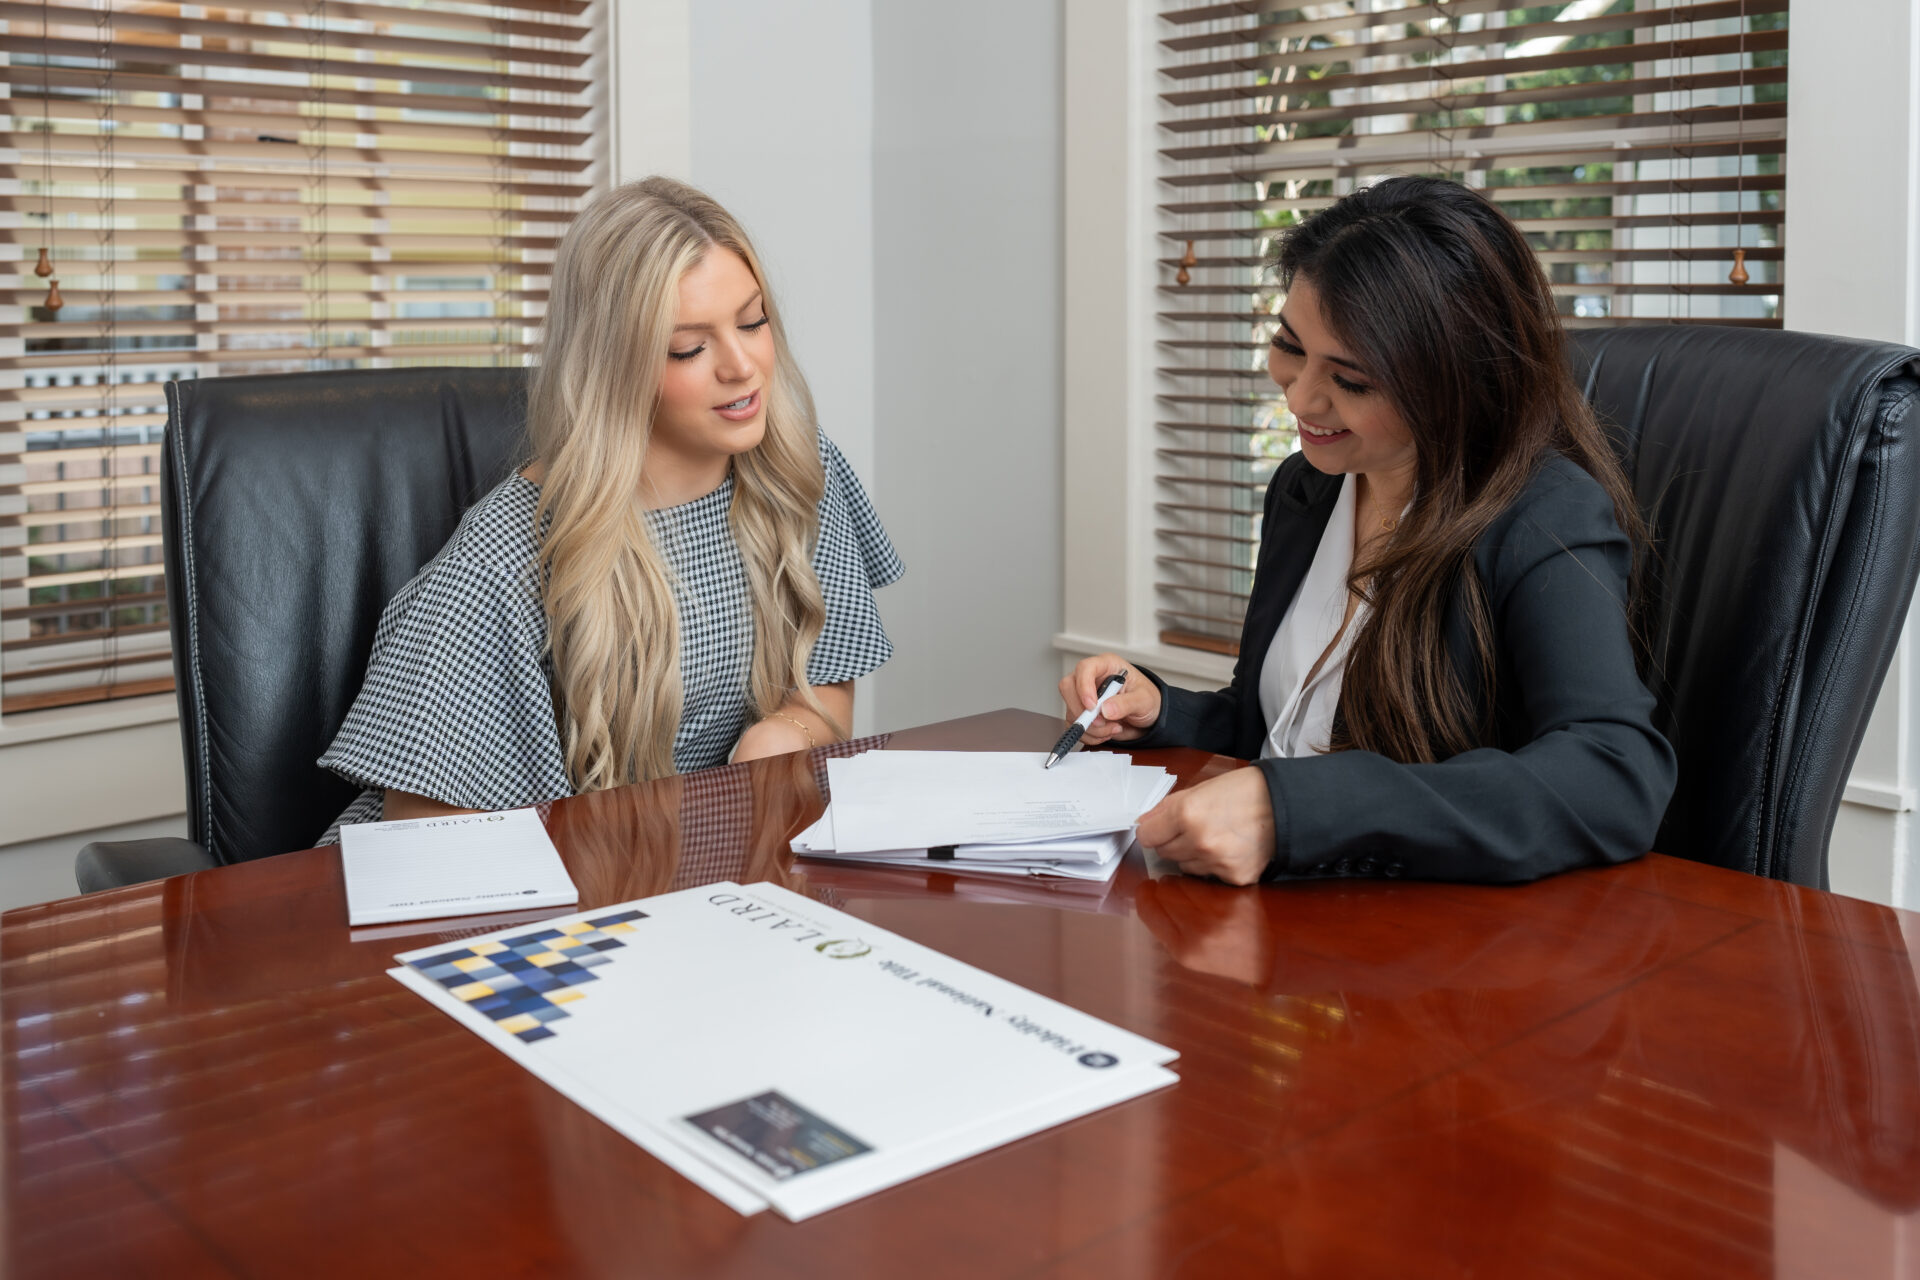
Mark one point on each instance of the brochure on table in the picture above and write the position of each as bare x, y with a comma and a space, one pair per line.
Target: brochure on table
776, 1051
457, 865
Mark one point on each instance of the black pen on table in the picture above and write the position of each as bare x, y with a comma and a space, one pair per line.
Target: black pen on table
1071, 738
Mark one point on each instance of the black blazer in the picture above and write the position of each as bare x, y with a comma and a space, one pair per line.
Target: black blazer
1578, 774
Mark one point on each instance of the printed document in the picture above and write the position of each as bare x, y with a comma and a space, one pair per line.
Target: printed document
1076, 857
894, 800
459, 865
944, 793
776, 1051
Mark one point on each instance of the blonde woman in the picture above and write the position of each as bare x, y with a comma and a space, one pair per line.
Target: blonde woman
682, 574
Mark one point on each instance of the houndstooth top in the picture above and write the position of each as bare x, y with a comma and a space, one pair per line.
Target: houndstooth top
458, 705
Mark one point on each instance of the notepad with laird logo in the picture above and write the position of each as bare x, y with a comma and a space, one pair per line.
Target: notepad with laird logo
459, 865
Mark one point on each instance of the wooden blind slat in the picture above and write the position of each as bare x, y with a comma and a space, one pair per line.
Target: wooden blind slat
1444, 97
130, 152
19, 703
87, 453
82, 546
33, 75
1590, 144
308, 127
26, 23
342, 8
232, 357
1268, 33
323, 64
1374, 149
82, 515
1452, 66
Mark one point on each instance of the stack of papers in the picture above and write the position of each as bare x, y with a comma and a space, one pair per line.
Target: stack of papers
462, 864
774, 1050
997, 812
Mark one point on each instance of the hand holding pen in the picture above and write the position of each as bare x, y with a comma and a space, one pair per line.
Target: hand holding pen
1125, 715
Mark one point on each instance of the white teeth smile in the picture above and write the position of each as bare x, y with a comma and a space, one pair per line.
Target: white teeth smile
741, 403
1316, 431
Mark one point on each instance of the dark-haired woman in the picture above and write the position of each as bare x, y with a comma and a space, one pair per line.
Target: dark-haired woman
1437, 672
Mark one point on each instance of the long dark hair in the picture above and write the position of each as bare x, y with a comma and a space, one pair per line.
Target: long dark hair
1440, 296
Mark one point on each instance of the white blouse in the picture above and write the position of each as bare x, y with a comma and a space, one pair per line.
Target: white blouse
1299, 713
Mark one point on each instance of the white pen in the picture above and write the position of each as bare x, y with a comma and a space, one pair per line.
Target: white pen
1071, 738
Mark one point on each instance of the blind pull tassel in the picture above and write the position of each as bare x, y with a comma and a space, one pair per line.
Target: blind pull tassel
1187, 259
44, 269
1739, 273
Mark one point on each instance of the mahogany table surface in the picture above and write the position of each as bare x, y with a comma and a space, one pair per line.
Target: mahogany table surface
1657, 1069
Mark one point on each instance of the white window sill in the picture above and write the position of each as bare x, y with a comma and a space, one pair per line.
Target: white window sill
1879, 795
1165, 660
92, 717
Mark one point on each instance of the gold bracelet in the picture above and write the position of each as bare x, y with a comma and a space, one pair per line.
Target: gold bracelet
781, 715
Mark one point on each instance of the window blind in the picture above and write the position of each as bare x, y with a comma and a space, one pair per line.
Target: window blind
1637, 145
280, 185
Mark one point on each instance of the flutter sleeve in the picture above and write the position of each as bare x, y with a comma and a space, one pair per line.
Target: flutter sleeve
853, 558
456, 705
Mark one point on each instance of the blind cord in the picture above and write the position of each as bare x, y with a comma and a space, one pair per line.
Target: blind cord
44, 268
319, 328
107, 321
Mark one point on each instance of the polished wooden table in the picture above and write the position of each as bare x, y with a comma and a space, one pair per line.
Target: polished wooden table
1660, 1069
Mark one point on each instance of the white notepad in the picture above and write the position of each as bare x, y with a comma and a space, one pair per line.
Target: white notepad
465, 864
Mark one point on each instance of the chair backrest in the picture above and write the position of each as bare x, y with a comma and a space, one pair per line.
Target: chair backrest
295, 506
1782, 480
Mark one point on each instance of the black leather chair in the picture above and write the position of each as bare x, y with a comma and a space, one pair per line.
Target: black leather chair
294, 507
1781, 476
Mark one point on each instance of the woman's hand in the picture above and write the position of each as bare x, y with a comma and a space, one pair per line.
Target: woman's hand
1127, 715
795, 726
773, 736
1223, 827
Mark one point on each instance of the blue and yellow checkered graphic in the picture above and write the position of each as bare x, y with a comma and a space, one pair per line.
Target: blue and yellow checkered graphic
526, 982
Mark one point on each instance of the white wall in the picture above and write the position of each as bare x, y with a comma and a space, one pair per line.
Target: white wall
967, 247
768, 107
68, 773
898, 165
42, 870
781, 133
1853, 267
1110, 170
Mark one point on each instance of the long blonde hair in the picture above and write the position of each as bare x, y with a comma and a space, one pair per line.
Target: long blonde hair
613, 624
